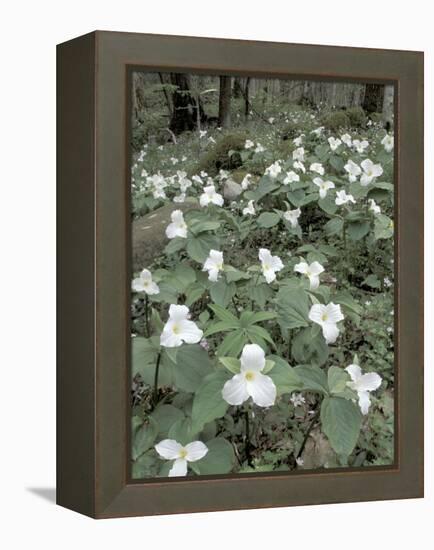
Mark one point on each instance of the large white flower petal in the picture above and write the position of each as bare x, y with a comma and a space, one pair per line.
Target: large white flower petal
364, 401
189, 332
195, 451
330, 332
168, 338
179, 468
302, 267
354, 371
178, 313
369, 382
234, 391
334, 313
314, 281
262, 390
316, 313
168, 449
252, 358
316, 268
269, 275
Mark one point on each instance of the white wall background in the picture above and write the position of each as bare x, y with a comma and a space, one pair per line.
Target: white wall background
29, 32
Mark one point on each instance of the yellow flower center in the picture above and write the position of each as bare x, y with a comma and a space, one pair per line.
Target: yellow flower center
266, 267
145, 283
176, 329
250, 375
182, 453
324, 317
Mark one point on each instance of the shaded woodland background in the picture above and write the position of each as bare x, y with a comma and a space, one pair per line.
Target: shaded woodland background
165, 105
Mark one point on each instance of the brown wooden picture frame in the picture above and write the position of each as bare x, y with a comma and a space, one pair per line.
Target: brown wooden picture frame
93, 376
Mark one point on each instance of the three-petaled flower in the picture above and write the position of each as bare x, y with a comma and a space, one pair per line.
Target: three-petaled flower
363, 384
370, 171
387, 142
292, 216
169, 449
273, 170
334, 143
317, 167
353, 170
249, 210
327, 316
250, 382
312, 271
270, 264
210, 196
324, 186
144, 283
343, 198
213, 264
290, 177
178, 227
179, 328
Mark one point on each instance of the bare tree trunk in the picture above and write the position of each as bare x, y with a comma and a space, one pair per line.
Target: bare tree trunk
184, 106
246, 98
388, 104
166, 95
225, 101
373, 101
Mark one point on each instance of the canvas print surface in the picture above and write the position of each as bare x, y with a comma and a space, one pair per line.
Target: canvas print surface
262, 293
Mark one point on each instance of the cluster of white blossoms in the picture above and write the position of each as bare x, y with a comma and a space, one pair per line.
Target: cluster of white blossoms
334, 143
343, 198
292, 216
368, 171
317, 167
257, 147
274, 170
210, 196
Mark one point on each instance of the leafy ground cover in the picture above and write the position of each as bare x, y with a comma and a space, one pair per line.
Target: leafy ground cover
263, 332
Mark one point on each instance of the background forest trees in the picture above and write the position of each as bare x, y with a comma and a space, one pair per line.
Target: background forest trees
177, 102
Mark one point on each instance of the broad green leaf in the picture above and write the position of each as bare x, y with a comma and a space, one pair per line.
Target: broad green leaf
284, 377
144, 438
337, 379
220, 326
292, 308
309, 346
220, 458
208, 402
260, 294
347, 302
334, 226
194, 292
328, 204
268, 219
198, 248
383, 227
372, 281
357, 230
192, 365
183, 431
313, 378
146, 465
232, 344
263, 316
222, 292
175, 245
231, 363
259, 332
234, 275
165, 417
224, 315
341, 421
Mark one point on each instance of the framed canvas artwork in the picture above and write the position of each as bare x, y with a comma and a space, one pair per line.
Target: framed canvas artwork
240, 274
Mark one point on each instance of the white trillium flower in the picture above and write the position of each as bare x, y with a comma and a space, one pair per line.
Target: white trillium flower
324, 186
249, 210
249, 144
273, 170
312, 271
292, 216
318, 131
334, 143
144, 283
327, 317
246, 181
179, 198
170, 449
270, 264
178, 227
373, 206
360, 146
363, 384
343, 198
387, 143
259, 148
346, 138
213, 264
179, 328
197, 179
370, 171
210, 196
317, 167
250, 382
290, 177
353, 170
298, 154
299, 166
298, 140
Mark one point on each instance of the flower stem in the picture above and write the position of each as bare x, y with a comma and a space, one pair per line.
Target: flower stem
309, 429
248, 444
148, 332
157, 370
